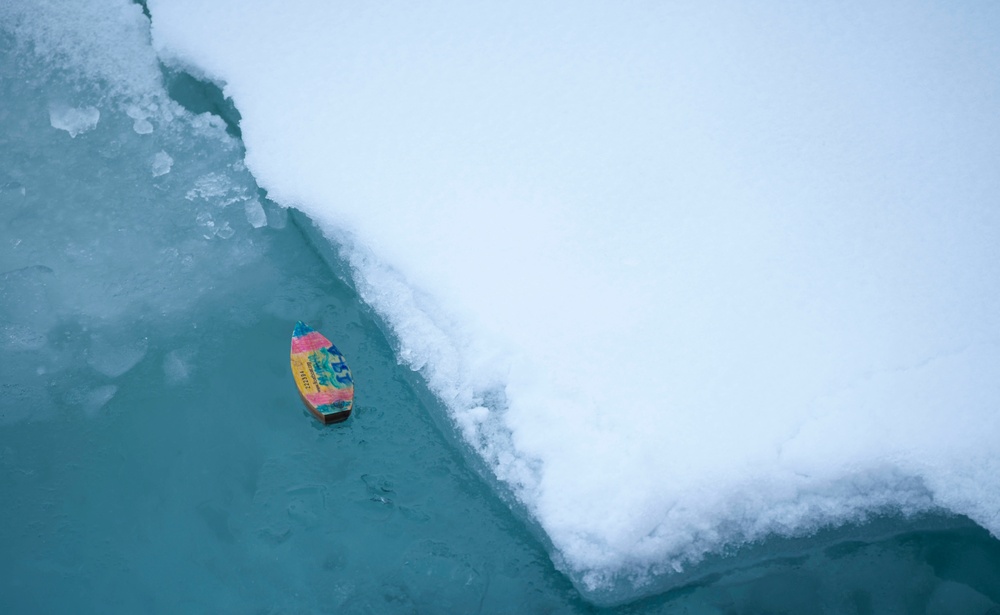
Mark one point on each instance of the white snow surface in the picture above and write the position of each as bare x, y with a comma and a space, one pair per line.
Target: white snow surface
685, 274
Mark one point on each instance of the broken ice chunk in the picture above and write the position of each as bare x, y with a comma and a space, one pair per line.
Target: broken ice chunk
140, 116
142, 126
255, 213
277, 216
217, 189
178, 365
74, 120
95, 399
117, 356
162, 163
204, 220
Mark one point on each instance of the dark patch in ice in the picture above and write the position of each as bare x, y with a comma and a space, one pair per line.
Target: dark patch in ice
843, 549
217, 520
199, 97
145, 9
965, 558
950, 597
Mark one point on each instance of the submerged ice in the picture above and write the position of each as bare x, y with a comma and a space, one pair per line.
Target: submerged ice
80, 292
685, 277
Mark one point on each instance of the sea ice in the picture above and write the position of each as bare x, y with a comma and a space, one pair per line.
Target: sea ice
214, 187
162, 163
684, 278
74, 120
716, 275
141, 125
178, 365
72, 274
115, 354
255, 213
91, 401
20, 337
277, 216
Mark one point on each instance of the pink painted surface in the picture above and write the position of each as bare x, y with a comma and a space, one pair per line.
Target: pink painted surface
330, 396
309, 342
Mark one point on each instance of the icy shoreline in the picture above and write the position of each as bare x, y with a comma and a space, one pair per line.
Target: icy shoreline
680, 292
609, 586
664, 332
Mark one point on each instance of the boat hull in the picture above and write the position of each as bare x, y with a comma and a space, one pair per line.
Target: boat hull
324, 380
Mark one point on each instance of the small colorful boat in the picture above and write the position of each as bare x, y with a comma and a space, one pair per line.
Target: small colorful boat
322, 375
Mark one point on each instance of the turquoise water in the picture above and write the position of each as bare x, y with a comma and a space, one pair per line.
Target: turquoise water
155, 457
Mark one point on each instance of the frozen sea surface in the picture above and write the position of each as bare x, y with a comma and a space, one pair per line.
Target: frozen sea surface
154, 456
685, 274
